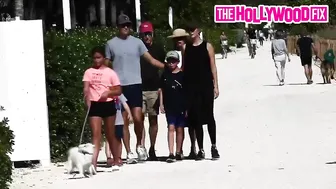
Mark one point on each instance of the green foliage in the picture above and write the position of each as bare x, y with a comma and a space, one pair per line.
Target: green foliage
6, 148
328, 33
311, 27
212, 35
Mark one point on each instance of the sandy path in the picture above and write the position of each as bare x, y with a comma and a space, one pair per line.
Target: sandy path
267, 135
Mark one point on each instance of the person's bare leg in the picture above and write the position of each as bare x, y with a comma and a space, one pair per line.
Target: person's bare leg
143, 143
138, 124
96, 124
171, 132
153, 129
108, 154
126, 138
307, 73
179, 139
109, 123
310, 73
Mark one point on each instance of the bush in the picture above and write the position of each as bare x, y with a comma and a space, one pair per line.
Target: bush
6, 148
67, 57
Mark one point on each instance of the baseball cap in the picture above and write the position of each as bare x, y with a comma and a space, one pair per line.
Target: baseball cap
172, 54
123, 19
146, 27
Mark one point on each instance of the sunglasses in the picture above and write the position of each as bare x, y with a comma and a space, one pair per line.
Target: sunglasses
172, 61
149, 34
128, 25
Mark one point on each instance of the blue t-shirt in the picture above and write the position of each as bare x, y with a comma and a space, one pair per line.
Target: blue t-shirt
125, 56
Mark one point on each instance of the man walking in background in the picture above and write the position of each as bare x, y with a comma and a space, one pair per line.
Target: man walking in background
125, 52
150, 85
305, 48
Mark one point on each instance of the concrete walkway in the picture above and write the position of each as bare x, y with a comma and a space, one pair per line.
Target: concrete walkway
269, 137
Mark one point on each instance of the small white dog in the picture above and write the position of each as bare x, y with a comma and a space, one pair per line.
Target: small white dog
81, 158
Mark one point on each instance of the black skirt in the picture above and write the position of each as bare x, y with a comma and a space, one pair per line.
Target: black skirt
200, 107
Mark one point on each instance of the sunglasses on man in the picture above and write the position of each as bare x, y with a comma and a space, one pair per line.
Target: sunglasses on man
148, 34
128, 25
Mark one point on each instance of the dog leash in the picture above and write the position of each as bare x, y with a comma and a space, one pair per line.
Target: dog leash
81, 137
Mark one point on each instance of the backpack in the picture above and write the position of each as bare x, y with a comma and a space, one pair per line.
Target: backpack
329, 56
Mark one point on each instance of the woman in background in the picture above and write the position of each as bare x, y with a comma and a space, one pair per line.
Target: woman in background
279, 53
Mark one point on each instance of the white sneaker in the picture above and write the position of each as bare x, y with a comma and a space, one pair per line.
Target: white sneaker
131, 158
142, 155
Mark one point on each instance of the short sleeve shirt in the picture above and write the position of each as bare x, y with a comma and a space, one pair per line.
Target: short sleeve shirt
100, 80
125, 56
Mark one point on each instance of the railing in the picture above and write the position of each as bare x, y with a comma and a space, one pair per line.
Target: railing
322, 45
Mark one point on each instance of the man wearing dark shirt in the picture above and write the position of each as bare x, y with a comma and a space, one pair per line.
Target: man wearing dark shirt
305, 45
251, 34
150, 85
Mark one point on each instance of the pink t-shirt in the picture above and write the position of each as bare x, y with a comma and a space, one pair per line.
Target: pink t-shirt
100, 81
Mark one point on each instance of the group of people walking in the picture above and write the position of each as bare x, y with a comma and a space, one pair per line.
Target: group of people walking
305, 50
132, 77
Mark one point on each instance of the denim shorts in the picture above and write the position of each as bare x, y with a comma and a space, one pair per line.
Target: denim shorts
178, 120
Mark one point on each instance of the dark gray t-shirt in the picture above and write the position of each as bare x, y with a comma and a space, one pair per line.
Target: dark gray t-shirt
125, 55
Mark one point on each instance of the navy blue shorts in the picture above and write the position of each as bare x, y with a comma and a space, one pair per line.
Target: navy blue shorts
119, 131
178, 120
133, 94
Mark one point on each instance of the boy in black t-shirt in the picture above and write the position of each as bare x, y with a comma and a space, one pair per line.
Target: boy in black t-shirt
172, 103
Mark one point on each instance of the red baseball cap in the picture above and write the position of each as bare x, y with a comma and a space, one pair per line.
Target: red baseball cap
146, 27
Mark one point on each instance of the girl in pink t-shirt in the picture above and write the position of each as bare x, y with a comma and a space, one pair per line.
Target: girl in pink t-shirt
101, 85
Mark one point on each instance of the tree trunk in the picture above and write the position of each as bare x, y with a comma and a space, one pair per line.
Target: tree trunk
31, 13
102, 5
19, 8
92, 15
113, 13
73, 14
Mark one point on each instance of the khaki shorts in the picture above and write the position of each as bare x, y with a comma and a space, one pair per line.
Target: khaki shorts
150, 102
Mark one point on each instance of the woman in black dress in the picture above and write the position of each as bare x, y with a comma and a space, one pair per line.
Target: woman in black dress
201, 85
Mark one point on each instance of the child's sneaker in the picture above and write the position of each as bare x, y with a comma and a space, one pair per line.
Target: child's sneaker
171, 158
214, 153
179, 156
142, 155
131, 158
200, 155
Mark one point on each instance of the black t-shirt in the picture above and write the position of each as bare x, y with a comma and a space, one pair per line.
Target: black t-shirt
305, 44
173, 92
252, 34
149, 73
